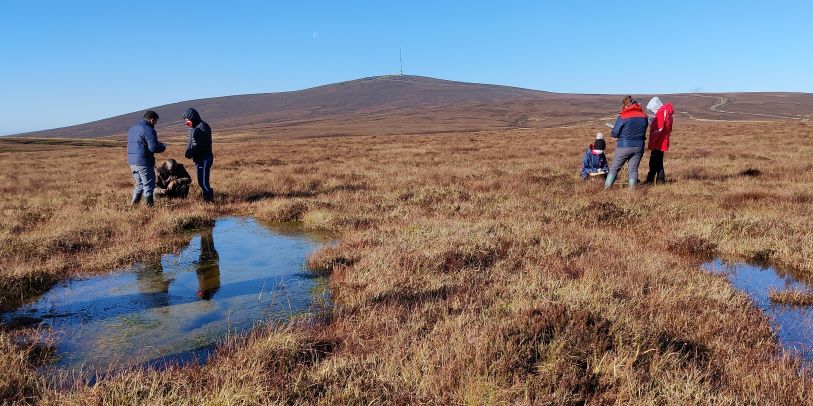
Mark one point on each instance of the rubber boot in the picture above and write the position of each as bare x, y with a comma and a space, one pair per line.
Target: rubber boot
135, 199
632, 183
609, 181
148, 200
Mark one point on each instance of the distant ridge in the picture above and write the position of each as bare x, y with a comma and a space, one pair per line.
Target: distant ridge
398, 104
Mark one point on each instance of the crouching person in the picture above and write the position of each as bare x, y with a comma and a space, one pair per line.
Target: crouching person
594, 163
172, 180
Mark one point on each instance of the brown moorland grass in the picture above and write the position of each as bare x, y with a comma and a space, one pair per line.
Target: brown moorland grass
473, 268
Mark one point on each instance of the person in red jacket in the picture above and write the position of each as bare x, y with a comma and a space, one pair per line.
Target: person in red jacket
659, 132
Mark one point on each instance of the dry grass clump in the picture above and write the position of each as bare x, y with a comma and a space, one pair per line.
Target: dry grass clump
791, 297
282, 210
472, 268
325, 260
751, 172
693, 245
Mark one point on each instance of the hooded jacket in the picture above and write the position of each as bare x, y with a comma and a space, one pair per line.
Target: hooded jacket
591, 163
661, 127
630, 127
199, 147
142, 144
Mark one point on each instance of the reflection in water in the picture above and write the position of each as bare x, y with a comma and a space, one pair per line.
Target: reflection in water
793, 324
163, 311
153, 286
208, 267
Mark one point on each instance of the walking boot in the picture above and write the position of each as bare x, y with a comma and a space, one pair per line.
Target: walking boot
148, 200
209, 196
609, 181
135, 199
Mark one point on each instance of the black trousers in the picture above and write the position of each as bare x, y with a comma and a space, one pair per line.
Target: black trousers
656, 171
204, 168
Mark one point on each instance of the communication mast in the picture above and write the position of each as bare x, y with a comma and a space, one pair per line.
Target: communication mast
401, 56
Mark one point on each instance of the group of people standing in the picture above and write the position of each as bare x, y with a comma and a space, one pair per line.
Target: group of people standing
171, 179
630, 130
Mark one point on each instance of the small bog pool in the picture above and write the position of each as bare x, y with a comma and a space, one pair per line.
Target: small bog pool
793, 324
228, 279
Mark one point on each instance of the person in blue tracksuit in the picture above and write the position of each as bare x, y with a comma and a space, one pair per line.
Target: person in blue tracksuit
630, 130
594, 162
199, 150
142, 145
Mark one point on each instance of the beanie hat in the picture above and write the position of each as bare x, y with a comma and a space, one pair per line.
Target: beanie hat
191, 115
599, 145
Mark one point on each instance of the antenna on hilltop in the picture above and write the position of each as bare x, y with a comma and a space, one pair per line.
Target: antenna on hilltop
401, 56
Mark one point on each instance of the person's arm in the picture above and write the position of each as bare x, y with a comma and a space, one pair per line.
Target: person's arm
667, 121
183, 177
192, 146
152, 142
619, 123
160, 182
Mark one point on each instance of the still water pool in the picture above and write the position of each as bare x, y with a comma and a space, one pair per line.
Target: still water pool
793, 324
229, 278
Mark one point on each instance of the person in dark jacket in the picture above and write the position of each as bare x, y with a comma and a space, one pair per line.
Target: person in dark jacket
142, 145
172, 180
594, 162
199, 150
630, 130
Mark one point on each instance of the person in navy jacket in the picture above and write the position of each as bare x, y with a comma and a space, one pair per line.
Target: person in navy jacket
594, 162
630, 130
142, 145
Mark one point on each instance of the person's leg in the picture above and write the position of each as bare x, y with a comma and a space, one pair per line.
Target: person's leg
635, 160
204, 169
661, 172
138, 188
621, 157
147, 175
653, 167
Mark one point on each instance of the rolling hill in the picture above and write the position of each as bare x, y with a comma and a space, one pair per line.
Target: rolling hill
415, 104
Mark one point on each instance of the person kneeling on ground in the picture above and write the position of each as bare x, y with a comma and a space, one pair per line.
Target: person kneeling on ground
172, 180
594, 163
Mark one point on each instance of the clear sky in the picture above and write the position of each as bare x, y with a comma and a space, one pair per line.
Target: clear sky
69, 62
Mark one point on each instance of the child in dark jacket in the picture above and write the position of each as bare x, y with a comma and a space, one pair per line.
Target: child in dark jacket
594, 162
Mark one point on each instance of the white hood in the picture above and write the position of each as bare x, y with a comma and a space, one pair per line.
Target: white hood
654, 104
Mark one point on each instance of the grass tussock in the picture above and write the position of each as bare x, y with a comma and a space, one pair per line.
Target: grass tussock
326, 259
791, 297
693, 245
472, 269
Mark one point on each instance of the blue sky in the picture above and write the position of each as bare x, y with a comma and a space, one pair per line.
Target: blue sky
69, 62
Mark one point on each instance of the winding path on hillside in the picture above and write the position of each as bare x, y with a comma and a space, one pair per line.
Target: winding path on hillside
719, 106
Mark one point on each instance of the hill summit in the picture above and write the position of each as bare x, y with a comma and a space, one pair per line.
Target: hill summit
396, 104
